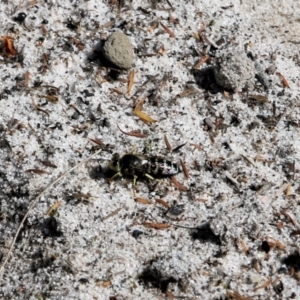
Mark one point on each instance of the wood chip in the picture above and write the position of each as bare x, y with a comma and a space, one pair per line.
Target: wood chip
9, 48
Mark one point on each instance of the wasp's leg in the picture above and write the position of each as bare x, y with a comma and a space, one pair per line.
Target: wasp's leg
115, 176
133, 185
134, 181
150, 177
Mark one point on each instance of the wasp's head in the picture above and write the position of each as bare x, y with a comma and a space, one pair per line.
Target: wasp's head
114, 164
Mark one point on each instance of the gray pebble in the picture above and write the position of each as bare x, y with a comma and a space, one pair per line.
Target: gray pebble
118, 50
234, 70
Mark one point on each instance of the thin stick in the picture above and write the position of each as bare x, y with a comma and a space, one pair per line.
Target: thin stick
35, 201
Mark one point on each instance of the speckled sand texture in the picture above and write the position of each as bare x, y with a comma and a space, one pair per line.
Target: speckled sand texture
229, 229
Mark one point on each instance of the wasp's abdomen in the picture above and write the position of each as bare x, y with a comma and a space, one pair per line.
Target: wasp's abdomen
160, 167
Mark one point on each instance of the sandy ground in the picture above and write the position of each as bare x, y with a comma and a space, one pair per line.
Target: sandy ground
231, 231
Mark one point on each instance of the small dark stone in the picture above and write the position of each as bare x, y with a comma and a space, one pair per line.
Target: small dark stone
205, 234
50, 228
154, 277
20, 17
265, 247
293, 260
176, 210
137, 233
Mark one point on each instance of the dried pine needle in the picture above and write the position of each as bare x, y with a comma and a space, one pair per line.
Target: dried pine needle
134, 133
157, 225
53, 208
259, 98
169, 147
178, 185
168, 30
184, 169
139, 104
163, 202
201, 61
50, 98
37, 171
144, 117
143, 200
284, 81
264, 285
130, 81
98, 142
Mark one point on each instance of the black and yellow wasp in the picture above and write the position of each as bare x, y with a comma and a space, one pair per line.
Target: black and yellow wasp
137, 166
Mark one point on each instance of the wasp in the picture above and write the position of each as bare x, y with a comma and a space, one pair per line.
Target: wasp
151, 167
